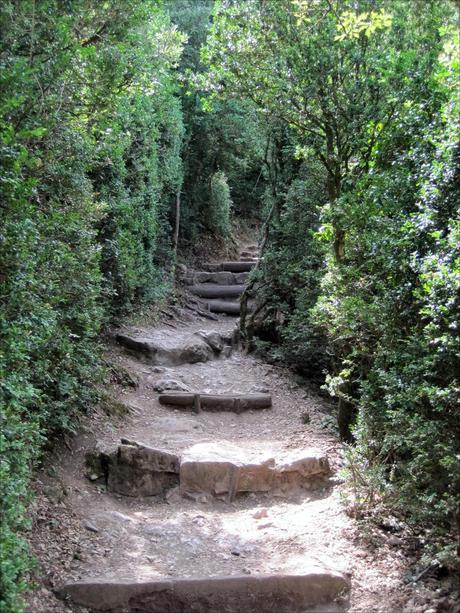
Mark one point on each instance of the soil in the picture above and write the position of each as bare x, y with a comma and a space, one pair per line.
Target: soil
80, 530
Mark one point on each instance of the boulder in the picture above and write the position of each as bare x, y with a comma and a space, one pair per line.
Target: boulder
138, 470
170, 384
213, 339
281, 593
167, 351
224, 469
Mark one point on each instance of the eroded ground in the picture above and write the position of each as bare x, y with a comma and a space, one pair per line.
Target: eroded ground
82, 531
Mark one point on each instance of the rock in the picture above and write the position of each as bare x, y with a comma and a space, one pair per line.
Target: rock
226, 351
173, 495
167, 350
170, 384
89, 526
217, 277
260, 389
260, 514
138, 470
283, 593
241, 277
223, 278
116, 515
202, 277
223, 468
213, 339
55, 492
232, 337
96, 461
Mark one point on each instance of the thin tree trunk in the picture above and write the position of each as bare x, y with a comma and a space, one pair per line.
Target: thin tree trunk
177, 223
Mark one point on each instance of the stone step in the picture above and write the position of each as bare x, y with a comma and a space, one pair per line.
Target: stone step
236, 403
229, 266
219, 278
223, 469
224, 306
215, 469
212, 290
134, 469
173, 348
281, 593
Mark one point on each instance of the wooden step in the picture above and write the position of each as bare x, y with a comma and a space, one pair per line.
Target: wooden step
233, 266
238, 266
224, 306
281, 593
213, 290
236, 403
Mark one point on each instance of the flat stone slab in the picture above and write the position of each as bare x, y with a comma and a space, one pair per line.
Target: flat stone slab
280, 593
167, 350
223, 469
236, 403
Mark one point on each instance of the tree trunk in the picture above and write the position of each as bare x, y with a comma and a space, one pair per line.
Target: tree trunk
177, 223
333, 188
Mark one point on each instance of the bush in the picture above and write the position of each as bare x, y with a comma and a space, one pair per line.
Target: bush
219, 214
90, 162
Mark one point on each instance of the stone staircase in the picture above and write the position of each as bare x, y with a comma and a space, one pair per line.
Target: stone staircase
220, 285
203, 471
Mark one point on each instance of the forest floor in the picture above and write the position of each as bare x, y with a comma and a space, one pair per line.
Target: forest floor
79, 530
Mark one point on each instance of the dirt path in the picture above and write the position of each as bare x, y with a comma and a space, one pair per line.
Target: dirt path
83, 531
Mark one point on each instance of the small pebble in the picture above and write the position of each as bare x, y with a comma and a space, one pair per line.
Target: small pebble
89, 526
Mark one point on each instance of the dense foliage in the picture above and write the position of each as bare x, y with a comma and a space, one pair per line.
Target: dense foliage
334, 122
90, 154
370, 98
224, 142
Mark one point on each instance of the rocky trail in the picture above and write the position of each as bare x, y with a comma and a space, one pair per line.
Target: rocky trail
214, 491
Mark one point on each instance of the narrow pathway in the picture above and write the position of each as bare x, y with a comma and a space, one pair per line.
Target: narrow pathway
196, 509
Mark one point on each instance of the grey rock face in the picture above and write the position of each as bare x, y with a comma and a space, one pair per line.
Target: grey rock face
167, 352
